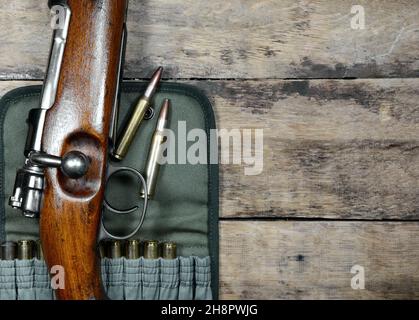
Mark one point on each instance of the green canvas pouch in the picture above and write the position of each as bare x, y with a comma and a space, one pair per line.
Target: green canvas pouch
184, 209
42, 283
203, 278
169, 279
186, 278
133, 282
25, 273
151, 279
7, 280
115, 281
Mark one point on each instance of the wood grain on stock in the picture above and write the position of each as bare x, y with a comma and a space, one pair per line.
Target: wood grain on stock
80, 120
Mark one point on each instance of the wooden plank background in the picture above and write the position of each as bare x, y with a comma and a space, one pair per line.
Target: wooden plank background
340, 179
313, 260
236, 39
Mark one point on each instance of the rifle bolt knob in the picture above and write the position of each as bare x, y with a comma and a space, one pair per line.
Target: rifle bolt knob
75, 164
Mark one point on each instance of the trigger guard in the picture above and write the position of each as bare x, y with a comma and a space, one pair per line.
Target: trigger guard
118, 211
115, 170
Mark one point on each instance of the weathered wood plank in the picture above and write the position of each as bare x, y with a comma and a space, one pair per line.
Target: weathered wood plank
313, 260
6, 86
236, 39
332, 149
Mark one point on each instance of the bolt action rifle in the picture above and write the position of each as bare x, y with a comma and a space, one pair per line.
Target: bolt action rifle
67, 148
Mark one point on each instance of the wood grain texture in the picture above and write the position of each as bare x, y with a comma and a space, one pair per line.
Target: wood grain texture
332, 149
80, 120
313, 260
236, 39
6, 86
335, 149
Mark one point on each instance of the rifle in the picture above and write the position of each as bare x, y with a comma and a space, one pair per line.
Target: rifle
71, 132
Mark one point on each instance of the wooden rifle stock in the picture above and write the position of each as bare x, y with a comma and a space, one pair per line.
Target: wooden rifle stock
80, 121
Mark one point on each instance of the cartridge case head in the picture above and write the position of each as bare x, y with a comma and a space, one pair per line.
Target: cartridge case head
114, 249
132, 249
25, 249
168, 250
8, 250
151, 249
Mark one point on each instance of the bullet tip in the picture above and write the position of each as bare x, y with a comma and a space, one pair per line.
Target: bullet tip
164, 114
159, 73
155, 79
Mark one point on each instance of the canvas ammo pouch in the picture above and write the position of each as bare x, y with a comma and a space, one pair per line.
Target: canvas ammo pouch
184, 209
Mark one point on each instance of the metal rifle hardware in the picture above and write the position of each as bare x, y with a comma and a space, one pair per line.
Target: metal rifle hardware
147, 185
120, 145
79, 120
115, 111
29, 183
105, 232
